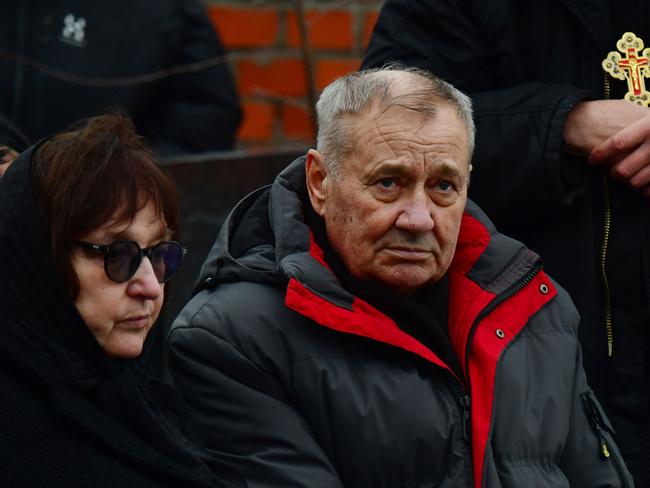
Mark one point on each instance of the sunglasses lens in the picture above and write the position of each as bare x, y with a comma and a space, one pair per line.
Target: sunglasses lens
165, 258
122, 260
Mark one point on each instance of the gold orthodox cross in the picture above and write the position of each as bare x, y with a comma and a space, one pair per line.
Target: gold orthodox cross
633, 68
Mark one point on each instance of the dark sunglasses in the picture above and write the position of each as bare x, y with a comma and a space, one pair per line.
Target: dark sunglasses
122, 258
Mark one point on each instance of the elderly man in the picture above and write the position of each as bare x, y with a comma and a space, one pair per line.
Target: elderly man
359, 323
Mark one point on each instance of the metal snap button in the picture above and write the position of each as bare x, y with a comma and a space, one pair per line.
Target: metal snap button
500, 334
543, 288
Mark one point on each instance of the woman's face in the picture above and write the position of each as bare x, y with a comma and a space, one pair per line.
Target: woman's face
120, 315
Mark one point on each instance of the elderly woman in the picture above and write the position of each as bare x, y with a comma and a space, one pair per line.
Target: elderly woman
87, 221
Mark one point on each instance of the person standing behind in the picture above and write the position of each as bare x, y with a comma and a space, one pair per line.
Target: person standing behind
562, 162
180, 113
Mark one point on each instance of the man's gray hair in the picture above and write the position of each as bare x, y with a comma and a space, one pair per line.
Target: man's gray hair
348, 96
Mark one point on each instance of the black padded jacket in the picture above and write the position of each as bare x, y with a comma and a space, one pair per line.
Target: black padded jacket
301, 383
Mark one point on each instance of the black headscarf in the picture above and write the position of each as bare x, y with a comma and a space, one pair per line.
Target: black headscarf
121, 403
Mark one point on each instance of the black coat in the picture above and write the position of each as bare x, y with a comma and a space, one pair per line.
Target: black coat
305, 385
525, 65
69, 416
191, 112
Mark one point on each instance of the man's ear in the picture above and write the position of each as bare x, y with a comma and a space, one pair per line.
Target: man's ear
316, 173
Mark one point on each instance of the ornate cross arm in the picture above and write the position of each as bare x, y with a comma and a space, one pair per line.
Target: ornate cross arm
633, 67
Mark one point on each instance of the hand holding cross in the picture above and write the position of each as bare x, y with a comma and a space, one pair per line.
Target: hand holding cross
616, 133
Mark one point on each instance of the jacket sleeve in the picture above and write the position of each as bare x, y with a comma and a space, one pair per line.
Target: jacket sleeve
519, 154
591, 458
244, 412
200, 110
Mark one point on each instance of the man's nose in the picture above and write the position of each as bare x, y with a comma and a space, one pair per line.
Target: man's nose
416, 216
144, 283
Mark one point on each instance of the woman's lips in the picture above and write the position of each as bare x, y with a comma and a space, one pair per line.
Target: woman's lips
136, 322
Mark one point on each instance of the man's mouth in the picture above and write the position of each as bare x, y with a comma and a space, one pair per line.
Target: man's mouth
408, 253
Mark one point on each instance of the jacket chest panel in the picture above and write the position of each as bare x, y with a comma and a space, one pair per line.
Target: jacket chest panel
374, 410
528, 400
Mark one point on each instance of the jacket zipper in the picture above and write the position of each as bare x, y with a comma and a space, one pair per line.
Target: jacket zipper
597, 426
496, 301
609, 328
464, 402
594, 420
462, 392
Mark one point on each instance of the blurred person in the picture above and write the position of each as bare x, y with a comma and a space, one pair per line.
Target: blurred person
562, 160
7, 156
12, 142
86, 243
360, 323
182, 113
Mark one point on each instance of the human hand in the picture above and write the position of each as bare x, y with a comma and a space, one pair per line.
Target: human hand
628, 154
7, 156
590, 124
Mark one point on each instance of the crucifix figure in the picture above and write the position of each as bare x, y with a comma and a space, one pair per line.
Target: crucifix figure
633, 68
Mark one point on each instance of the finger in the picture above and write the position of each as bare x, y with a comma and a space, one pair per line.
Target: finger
641, 179
624, 140
617, 159
627, 168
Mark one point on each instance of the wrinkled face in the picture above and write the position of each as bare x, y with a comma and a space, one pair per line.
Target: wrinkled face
120, 315
393, 213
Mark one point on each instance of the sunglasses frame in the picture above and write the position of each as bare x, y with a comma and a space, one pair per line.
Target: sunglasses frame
142, 252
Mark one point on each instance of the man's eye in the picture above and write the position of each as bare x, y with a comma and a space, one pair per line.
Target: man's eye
445, 186
387, 182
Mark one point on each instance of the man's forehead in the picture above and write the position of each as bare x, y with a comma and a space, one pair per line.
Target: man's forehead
400, 133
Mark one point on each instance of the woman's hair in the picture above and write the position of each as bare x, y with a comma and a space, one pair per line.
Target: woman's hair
95, 172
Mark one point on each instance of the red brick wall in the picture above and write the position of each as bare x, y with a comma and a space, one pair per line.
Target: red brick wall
262, 40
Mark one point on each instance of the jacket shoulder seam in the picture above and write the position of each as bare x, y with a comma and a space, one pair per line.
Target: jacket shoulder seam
221, 339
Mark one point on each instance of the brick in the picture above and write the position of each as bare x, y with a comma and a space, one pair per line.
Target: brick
369, 21
326, 29
297, 123
281, 77
327, 70
245, 27
258, 122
